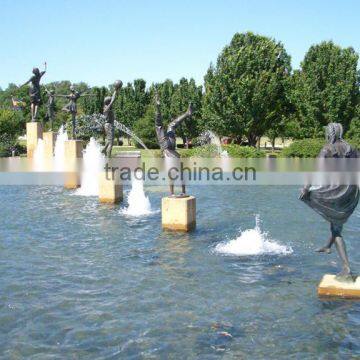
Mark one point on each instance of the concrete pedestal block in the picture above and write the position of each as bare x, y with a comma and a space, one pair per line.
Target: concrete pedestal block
72, 180
33, 133
73, 152
49, 138
331, 287
178, 214
73, 149
110, 190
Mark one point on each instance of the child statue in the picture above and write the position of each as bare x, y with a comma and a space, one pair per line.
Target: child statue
335, 203
34, 91
108, 112
167, 138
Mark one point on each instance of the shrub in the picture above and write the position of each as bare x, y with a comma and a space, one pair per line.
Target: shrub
355, 143
306, 148
354, 130
206, 151
353, 135
235, 151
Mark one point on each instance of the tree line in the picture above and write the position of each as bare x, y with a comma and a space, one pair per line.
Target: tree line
250, 91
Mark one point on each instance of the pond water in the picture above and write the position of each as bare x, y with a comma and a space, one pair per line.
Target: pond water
83, 280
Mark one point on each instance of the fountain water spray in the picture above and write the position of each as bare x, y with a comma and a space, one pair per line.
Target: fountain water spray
39, 155
138, 202
126, 130
252, 242
59, 151
93, 163
210, 138
97, 122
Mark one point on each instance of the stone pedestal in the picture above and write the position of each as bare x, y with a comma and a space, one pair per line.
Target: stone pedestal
49, 138
33, 133
331, 287
178, 214
73, 149
73, 152
110, 190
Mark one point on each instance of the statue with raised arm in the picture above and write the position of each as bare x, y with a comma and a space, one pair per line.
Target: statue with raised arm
335, 203
166, 137
34, 91
50, 107
71, 106
108, 113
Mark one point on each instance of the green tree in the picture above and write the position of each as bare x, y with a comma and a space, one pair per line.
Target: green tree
94, 104
325, 88
354, 129
131, 103
11, 126
245, 93
166, 91
185, 92
144, 128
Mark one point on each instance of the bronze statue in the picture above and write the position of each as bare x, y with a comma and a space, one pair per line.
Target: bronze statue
34, 91
50, 107
71, 107
335, 203
167, 139
109, 119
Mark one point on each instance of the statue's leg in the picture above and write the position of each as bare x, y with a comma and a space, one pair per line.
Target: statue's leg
110, 149
111, 142
183, 189
341, 249
32, 111
35, 111
106, 142
73, 119
327, 248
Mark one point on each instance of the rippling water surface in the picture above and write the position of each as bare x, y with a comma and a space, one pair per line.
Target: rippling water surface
83, 280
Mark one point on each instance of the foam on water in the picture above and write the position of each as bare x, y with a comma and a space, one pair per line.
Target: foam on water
252, 242
93, 162
138, 202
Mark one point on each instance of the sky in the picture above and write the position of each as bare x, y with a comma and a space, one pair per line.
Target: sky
101, 41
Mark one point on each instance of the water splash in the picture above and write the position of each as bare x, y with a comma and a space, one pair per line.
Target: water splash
96, 122
210, 138
138, 202
126, 130
252, 242
59, 150
93, 162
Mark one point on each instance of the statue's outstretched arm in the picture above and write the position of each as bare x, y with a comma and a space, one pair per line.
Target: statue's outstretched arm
27, 82
84, 93
159, 128
176, 122
158, 116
